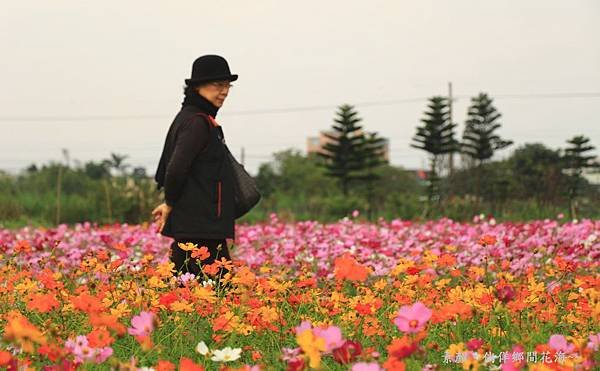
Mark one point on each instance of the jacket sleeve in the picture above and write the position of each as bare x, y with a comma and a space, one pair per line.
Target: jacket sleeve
191, 138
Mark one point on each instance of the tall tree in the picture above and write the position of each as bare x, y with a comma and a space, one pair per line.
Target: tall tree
479, 141
374, 156
344, 153
577, 159
436, 137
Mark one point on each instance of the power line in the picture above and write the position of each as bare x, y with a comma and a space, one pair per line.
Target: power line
51, 118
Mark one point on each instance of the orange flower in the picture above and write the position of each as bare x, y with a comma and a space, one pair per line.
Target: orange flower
52, 352
46, 278
145, 342
102, 255
110, 321
187, 246
165, 366
446, 260
22, 246
211, 269
455, 273
42, 303
5, 357
346, 267
100, 338
244, 276
394, 364
226, 264
186, 364
200, 253
487, 240
452, 311
87, 303
21, 331
256, 355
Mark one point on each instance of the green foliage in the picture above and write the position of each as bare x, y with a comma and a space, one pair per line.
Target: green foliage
299, 188
539, 173
479, 140
436, 137
31, 197
577, 159
344, 155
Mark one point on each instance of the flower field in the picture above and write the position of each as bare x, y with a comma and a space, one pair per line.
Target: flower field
344, 296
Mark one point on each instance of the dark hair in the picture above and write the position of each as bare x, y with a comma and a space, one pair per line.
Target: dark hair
189, 90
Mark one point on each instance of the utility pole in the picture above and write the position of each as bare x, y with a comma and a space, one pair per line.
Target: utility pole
242, 157
450, 101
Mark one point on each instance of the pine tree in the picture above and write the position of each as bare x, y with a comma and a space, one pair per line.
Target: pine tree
344, 154
577, 159
373, 155
436, 137
479, 142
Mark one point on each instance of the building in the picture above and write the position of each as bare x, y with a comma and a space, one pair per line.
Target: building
315, 144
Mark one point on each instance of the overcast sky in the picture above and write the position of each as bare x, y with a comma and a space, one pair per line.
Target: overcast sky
63, 64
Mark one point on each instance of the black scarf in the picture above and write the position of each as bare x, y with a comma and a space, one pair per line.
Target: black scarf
192, 98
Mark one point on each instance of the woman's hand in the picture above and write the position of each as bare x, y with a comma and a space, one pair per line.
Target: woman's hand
160, 213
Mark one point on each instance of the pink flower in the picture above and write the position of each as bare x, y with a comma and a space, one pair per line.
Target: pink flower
332, 335
412, 319
363, 366
142, 324
102, 354
559, 342
594, 342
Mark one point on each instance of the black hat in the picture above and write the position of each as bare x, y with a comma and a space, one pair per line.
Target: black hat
210, 68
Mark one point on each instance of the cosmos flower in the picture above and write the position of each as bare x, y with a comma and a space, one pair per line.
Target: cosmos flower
412, 319
559, 343
142, 324
226, 354
363, 366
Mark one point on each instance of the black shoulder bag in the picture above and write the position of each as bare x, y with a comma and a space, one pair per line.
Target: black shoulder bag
246, 194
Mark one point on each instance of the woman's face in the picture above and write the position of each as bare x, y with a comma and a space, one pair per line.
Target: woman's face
215, 92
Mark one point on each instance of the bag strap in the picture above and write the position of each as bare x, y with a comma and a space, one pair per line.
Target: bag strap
210, 119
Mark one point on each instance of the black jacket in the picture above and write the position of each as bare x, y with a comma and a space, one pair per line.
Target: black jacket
196, 176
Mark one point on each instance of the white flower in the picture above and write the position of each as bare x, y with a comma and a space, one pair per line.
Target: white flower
226, 354
202, 348
209, 282
145, 369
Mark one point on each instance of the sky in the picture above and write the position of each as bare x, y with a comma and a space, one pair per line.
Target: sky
105, 77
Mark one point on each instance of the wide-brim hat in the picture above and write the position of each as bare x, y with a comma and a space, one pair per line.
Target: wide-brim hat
209, 68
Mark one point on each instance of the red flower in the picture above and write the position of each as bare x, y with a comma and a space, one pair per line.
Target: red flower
167, 299
347, 352
413, 270
474, 344
296, 364
402, 348
505, 293
363, 309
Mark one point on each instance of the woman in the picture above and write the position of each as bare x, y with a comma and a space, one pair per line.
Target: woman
195, 173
